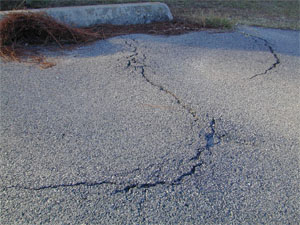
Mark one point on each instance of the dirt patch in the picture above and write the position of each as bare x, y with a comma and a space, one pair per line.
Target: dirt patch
20, 32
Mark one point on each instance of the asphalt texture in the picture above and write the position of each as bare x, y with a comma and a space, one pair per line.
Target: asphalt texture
201, 128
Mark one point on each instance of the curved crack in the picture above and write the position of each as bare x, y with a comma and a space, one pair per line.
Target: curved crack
210, 142
273, 65
210, 136
272, 51
132, 62
189, 173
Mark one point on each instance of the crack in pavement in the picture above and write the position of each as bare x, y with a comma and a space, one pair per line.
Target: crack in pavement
210, 142
140, 186
88, 184
209, 136
132, 62
139, 64
273, 66
272, 51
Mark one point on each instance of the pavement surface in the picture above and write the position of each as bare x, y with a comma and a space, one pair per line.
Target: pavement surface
201, 128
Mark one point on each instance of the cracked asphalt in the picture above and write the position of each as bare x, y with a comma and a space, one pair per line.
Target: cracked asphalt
201, 128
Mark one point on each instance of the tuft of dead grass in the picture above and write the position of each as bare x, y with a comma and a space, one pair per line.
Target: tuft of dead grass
19, 31
22, 30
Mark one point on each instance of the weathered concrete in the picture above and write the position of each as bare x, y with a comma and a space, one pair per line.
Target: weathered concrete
119, 14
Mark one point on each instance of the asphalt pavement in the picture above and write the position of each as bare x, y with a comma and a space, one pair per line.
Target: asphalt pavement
200, 128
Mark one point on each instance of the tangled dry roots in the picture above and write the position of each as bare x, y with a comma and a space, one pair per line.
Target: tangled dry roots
19, 30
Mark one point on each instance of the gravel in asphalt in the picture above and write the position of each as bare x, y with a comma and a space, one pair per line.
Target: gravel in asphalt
201, 128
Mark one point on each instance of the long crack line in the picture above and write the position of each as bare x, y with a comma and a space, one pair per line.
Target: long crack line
88, 184
209, 136
132, 62
273, 66
272, 51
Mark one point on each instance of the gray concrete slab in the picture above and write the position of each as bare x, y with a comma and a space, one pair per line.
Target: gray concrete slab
118, 14
201, 128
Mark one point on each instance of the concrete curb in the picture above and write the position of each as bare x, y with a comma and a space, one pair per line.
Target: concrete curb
118, 14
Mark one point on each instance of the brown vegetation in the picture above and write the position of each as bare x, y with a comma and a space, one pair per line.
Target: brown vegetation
18, 31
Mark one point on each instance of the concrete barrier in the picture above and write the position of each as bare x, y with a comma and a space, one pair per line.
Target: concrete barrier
118, 14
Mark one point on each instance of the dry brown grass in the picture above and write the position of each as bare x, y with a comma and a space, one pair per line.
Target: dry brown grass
18, 31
